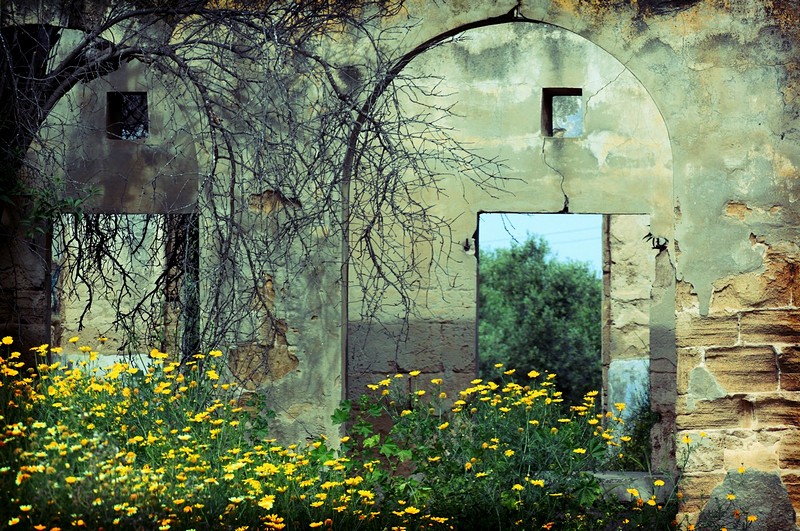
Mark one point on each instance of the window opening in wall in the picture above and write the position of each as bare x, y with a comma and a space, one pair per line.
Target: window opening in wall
562, 112
133, 278
571, 294
126, 115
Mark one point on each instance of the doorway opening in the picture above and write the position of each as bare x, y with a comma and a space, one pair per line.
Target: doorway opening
569, 294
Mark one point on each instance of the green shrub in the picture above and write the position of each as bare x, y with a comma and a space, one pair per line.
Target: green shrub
497, 455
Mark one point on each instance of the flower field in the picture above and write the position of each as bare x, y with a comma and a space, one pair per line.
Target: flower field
171, 446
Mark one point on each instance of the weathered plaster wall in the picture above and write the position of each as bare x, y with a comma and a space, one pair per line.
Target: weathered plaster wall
493, 78
723, 77
692, 118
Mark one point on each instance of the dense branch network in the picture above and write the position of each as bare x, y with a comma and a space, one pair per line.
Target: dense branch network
295, 146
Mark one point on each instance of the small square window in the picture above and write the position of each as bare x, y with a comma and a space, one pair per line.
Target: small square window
126, 115
562, 112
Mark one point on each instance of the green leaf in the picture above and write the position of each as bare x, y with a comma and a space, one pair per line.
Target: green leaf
342, 413
405, 455
389, 448
362, 428
371, 442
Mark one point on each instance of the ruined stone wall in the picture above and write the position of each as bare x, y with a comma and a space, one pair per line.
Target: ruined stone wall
628, 277
495, 81
723, 76
691, 117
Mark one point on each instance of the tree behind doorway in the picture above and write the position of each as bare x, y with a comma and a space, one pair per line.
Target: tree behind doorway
538, 313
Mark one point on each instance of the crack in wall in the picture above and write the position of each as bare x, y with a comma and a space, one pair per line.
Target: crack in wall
565, 207
601, 89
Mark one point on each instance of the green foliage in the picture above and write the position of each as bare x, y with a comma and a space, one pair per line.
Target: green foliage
500, 455
536, 313
169, 446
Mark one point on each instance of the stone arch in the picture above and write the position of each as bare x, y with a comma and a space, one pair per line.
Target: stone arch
495, 72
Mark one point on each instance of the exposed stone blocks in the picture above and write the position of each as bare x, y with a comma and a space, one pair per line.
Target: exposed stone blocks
789, 450
775, 287
718, 331
727, 412
770, 327
777, 410
743, 369
789, 367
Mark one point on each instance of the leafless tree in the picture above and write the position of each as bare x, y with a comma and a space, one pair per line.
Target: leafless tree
296, 146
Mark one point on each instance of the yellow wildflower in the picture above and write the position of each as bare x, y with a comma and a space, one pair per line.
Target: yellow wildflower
155, 354
266, 502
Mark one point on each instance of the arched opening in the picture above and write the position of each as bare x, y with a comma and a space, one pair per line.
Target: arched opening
491, 87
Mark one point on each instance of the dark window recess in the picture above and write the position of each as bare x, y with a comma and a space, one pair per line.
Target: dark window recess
562, 112
126, 115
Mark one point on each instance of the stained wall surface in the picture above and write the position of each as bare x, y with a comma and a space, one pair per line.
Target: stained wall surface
494, 82
711, 155
691, 118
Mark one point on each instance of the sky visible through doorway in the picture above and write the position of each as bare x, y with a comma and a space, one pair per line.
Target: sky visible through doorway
576, 237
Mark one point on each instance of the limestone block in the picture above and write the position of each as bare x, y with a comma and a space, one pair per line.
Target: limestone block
751, 449
717, 330
789, 450
754, 456
726, 412
754, 290
789, 368
777, 409
707, 453
770, 327
744, 369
